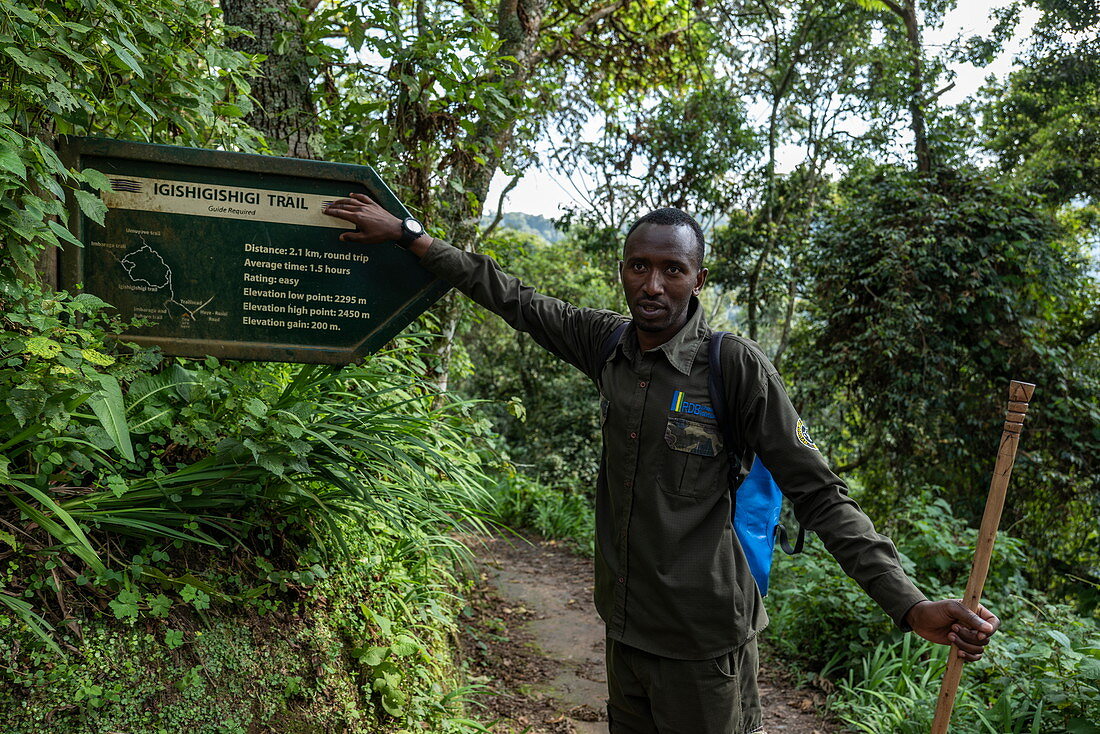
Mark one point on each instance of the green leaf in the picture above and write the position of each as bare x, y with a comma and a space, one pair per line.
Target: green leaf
256, 407
42, 347
173, 639
124, 56
92, 206
126, 605
197, 597
393, 700
78, 27
10, 161
95, 179
88, 303
141, 103
372, 656
62, 232
110, 409
97, 358
60, 94
404, 646
25, 14
31, 65
117, 485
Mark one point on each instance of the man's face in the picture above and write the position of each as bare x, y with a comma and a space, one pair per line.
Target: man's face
660, 275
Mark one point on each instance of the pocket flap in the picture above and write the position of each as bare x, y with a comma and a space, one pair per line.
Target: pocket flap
693, 437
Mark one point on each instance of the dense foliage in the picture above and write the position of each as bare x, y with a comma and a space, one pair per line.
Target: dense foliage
1043, 675
149, 505
556, 437
154, 510
917, 324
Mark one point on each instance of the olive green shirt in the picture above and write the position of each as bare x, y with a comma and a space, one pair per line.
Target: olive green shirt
671, 578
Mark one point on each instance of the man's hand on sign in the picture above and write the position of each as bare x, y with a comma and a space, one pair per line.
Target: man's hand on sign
950, 622
374, 224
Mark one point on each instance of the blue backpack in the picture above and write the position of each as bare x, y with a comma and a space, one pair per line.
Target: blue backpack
756, 498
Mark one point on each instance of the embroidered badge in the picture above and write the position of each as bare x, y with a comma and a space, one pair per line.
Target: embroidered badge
680, 405
803, 434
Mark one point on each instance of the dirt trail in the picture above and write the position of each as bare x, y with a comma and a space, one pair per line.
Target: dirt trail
533, 639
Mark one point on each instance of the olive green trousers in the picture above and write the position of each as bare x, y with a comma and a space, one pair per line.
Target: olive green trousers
649, 694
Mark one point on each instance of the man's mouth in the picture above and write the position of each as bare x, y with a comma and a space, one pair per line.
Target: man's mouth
650, 308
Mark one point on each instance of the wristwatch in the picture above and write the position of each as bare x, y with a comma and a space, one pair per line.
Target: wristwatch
410, 230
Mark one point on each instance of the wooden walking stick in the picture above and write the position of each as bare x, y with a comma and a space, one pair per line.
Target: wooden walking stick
1019, 395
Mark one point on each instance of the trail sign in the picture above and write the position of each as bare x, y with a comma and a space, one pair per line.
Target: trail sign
228, 254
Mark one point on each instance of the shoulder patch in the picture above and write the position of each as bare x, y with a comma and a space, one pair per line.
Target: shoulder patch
803, 434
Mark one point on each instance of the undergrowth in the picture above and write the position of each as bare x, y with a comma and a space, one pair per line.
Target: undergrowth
519, 501
1041, 672
367, 648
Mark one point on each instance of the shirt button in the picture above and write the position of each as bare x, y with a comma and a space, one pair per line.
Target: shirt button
643, 383
628, 483
633, 434
622, 580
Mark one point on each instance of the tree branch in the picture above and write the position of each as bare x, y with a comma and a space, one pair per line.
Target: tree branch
578, 32
500, 208
895, 8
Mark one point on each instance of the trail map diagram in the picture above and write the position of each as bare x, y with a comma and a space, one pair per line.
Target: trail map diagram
146, 267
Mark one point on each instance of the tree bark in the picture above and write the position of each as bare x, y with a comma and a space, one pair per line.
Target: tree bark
284, 110
907, 11
518, 25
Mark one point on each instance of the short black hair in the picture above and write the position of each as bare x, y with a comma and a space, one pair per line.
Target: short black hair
671, 216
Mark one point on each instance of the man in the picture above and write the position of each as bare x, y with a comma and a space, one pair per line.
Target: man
672, 585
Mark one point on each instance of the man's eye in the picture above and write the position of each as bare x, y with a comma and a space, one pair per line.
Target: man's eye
674, 270
638, 267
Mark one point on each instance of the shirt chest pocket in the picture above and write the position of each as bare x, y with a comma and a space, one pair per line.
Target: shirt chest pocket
693, 461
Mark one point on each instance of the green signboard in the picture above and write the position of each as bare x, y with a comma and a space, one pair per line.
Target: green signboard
229, 255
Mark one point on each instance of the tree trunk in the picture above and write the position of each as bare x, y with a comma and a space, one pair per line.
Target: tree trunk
284, 111
518, 25
769, 218
907, 11
916, 101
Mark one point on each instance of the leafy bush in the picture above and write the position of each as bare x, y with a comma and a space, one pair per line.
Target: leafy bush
521, 502
917, 325
248, 458
1041, 670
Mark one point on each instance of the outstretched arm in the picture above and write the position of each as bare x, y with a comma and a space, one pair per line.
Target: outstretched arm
772, 428
950, 622
572, 334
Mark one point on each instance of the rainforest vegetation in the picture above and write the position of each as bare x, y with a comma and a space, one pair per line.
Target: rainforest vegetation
220, 546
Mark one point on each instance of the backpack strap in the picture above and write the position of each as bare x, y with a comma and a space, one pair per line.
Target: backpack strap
608, 347
717, 386
784, 540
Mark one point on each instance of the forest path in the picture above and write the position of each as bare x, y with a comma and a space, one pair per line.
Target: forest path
532, 637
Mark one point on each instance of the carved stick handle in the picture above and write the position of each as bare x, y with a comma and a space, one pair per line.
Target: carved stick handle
1019, 395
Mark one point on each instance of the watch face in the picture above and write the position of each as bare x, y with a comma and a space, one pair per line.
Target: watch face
413, 226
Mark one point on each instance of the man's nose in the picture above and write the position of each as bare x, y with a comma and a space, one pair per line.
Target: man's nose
654, 285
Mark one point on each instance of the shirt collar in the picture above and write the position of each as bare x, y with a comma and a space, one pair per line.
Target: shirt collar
681, 349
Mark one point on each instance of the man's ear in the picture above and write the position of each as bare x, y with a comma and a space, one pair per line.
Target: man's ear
622, 264
700, 279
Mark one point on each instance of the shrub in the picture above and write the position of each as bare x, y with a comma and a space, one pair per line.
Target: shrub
1041, 670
